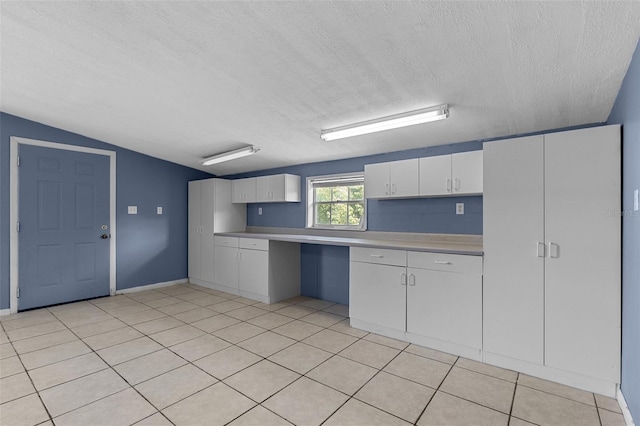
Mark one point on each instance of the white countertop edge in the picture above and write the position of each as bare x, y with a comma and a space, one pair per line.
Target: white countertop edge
448, 247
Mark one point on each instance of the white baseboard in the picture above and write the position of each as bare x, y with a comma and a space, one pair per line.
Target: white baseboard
625, 408
4, 312
151, 286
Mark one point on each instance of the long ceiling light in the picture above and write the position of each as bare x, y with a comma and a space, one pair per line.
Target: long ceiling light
231, 155
405, 119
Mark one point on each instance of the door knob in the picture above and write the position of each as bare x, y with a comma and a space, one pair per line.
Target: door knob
105, 236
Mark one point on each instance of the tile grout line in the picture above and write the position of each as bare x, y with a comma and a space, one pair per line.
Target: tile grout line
436, 390
513, 398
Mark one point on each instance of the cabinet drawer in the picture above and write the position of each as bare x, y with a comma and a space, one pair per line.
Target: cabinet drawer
446, 262
254, 243
226, 241
379, 256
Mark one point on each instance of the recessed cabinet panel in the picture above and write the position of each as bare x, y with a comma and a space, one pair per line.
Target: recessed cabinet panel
376, 180
244, 190
513, 223
445, 306
254, 272
435, 175
377, 294
226, 266
466, 173
582, 271
395, 179
267, 189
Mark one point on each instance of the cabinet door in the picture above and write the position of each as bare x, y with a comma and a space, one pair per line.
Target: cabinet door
513, 225
446, 306
207, 209
376, 180
263, 189
403, 178
466, 172
377, 294
254, 271
277, 187
435, 175
194, 229
226, 266
249, 186
582, 270
237, 191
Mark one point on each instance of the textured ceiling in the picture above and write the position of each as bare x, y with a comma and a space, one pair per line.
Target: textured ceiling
184, 80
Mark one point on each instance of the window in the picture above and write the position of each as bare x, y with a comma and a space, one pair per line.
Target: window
336, 202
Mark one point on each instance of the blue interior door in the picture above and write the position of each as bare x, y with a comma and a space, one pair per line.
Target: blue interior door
64, 226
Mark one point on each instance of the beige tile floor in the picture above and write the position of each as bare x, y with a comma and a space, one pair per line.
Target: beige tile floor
188, 355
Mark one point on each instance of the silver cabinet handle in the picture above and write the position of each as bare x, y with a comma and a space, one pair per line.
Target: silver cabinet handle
442, 262
448, 184
554, 249
386, 189
456, 184
412, 280
393, 188
540, 249
403, 279
377, 256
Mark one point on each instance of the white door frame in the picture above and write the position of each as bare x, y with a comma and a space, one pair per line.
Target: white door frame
13, 210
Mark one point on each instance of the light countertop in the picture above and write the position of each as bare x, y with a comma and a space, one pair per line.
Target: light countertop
435, 243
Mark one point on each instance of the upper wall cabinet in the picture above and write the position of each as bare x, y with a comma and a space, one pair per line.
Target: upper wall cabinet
396, 179
442, 175
455, 174
244, 190
267, 189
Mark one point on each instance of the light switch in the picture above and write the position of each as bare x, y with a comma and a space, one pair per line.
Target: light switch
132, 210
259, 211
459, 208
159, 210
635, 200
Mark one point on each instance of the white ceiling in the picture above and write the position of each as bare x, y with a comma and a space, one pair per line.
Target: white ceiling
184, 80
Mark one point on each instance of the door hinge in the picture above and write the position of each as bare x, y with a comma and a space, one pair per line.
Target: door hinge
18, 292
18, 227
18, 161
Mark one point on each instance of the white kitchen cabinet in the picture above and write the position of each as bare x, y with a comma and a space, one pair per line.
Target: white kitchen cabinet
454, 174
210, 211
244, 190
431, 299
377, 295
552, 256
258, 269
513, 240
395, 179
444, 302
278, 188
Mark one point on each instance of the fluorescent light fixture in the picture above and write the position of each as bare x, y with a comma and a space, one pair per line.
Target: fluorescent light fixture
231, 155
405, 119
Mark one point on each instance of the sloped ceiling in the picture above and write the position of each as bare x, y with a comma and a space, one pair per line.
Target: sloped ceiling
184, 80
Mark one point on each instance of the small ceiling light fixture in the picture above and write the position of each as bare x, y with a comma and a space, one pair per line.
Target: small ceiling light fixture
230, 155
405, 119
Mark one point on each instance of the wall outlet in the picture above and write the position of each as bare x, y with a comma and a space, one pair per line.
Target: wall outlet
159, 210
459, 208
259, 211
132, 210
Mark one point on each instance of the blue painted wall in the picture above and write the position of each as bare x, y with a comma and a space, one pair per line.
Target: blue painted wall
151, 248
626, 111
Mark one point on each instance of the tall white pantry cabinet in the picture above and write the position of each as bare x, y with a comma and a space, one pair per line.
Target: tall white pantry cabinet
210, 211
552, 256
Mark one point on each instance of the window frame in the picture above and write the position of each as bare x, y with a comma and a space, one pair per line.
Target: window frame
314, 181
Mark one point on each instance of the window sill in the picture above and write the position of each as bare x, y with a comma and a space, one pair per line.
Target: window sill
338, 228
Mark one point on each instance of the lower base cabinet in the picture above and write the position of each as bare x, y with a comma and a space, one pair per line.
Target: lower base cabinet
427, 298
258, 269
